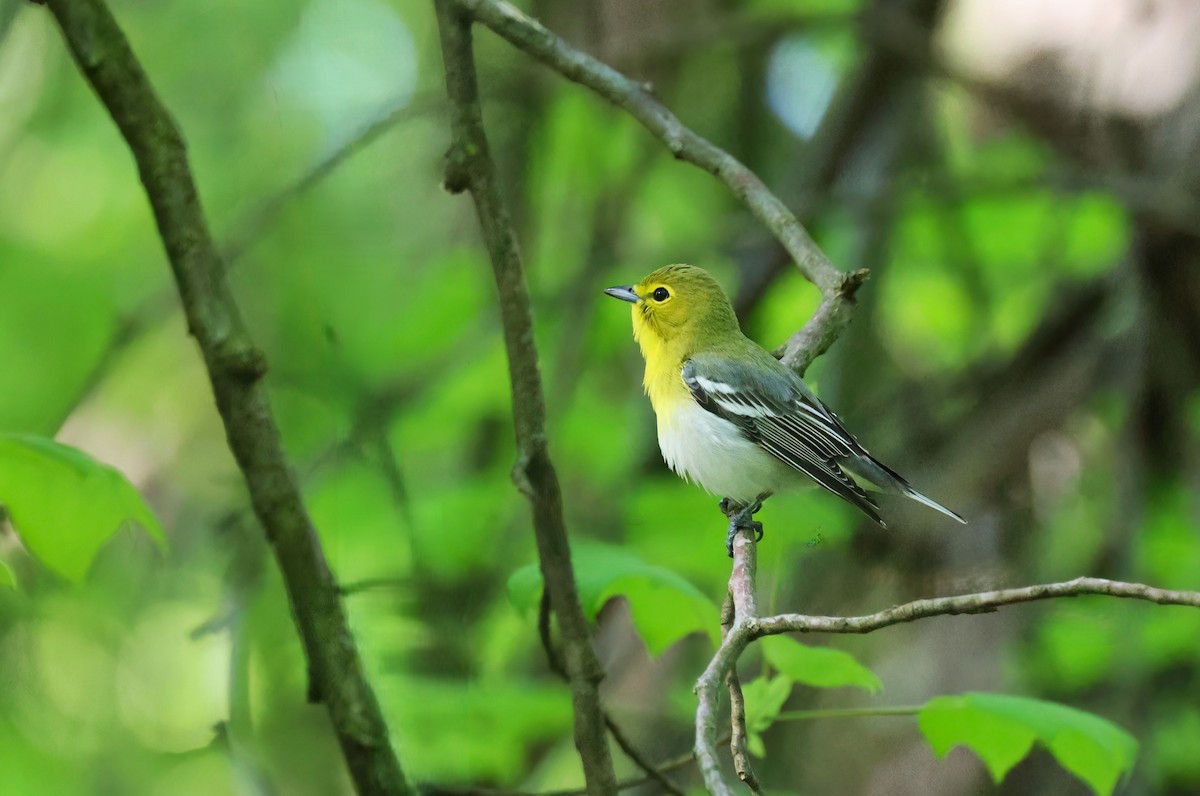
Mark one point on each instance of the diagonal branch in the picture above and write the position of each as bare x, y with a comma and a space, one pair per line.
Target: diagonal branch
235, 368
469, 167
261, 218
837, 288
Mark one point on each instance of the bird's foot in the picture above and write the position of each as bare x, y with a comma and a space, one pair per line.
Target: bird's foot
741, 518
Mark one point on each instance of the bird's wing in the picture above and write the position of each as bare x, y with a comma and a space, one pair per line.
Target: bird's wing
776, 411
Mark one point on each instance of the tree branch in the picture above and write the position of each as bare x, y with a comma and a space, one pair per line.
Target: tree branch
747, 627
837, 288
742, 601
738, 737
235, 368
982, 602
555, 661
469, 167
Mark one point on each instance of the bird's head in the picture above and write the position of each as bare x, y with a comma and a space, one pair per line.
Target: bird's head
677, 310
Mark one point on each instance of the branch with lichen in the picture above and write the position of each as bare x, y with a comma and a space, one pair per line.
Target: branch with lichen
235, 368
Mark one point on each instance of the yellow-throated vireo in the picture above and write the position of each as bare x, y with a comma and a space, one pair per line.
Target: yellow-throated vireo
733, 418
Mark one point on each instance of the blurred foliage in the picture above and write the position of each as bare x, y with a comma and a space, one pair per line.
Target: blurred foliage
976, 365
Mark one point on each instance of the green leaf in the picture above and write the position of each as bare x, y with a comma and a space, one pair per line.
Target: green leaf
820, 667
1002, 729
664, 605
6, 576
64, 504
525, 589
755, 745
764, 699
1096, 235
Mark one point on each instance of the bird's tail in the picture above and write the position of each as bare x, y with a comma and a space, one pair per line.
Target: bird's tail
870, 469
909, 492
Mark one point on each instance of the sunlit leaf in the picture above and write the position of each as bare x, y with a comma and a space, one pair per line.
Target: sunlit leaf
1002, 729
1096, 235
1008, 232
821, 667
926, 317
664, 605
64, 504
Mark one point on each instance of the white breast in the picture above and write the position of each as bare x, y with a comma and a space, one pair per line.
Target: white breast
711, 451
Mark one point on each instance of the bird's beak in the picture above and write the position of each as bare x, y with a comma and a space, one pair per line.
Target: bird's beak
625, 293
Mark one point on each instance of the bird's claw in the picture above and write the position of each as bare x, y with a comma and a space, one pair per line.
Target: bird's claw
743, 518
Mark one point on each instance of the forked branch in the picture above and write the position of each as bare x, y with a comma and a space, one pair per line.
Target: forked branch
747, 627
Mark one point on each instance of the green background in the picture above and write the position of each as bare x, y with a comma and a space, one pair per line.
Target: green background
1025, 351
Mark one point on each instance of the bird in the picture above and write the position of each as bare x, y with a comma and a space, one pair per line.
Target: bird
734, 419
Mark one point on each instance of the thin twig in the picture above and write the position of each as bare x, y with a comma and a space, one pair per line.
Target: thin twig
738, 737
673, 764
235, 368
982, 602
654, 772
470, 167
527, 34
250, 227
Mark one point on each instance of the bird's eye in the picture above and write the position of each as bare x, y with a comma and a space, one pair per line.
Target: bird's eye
661, 294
